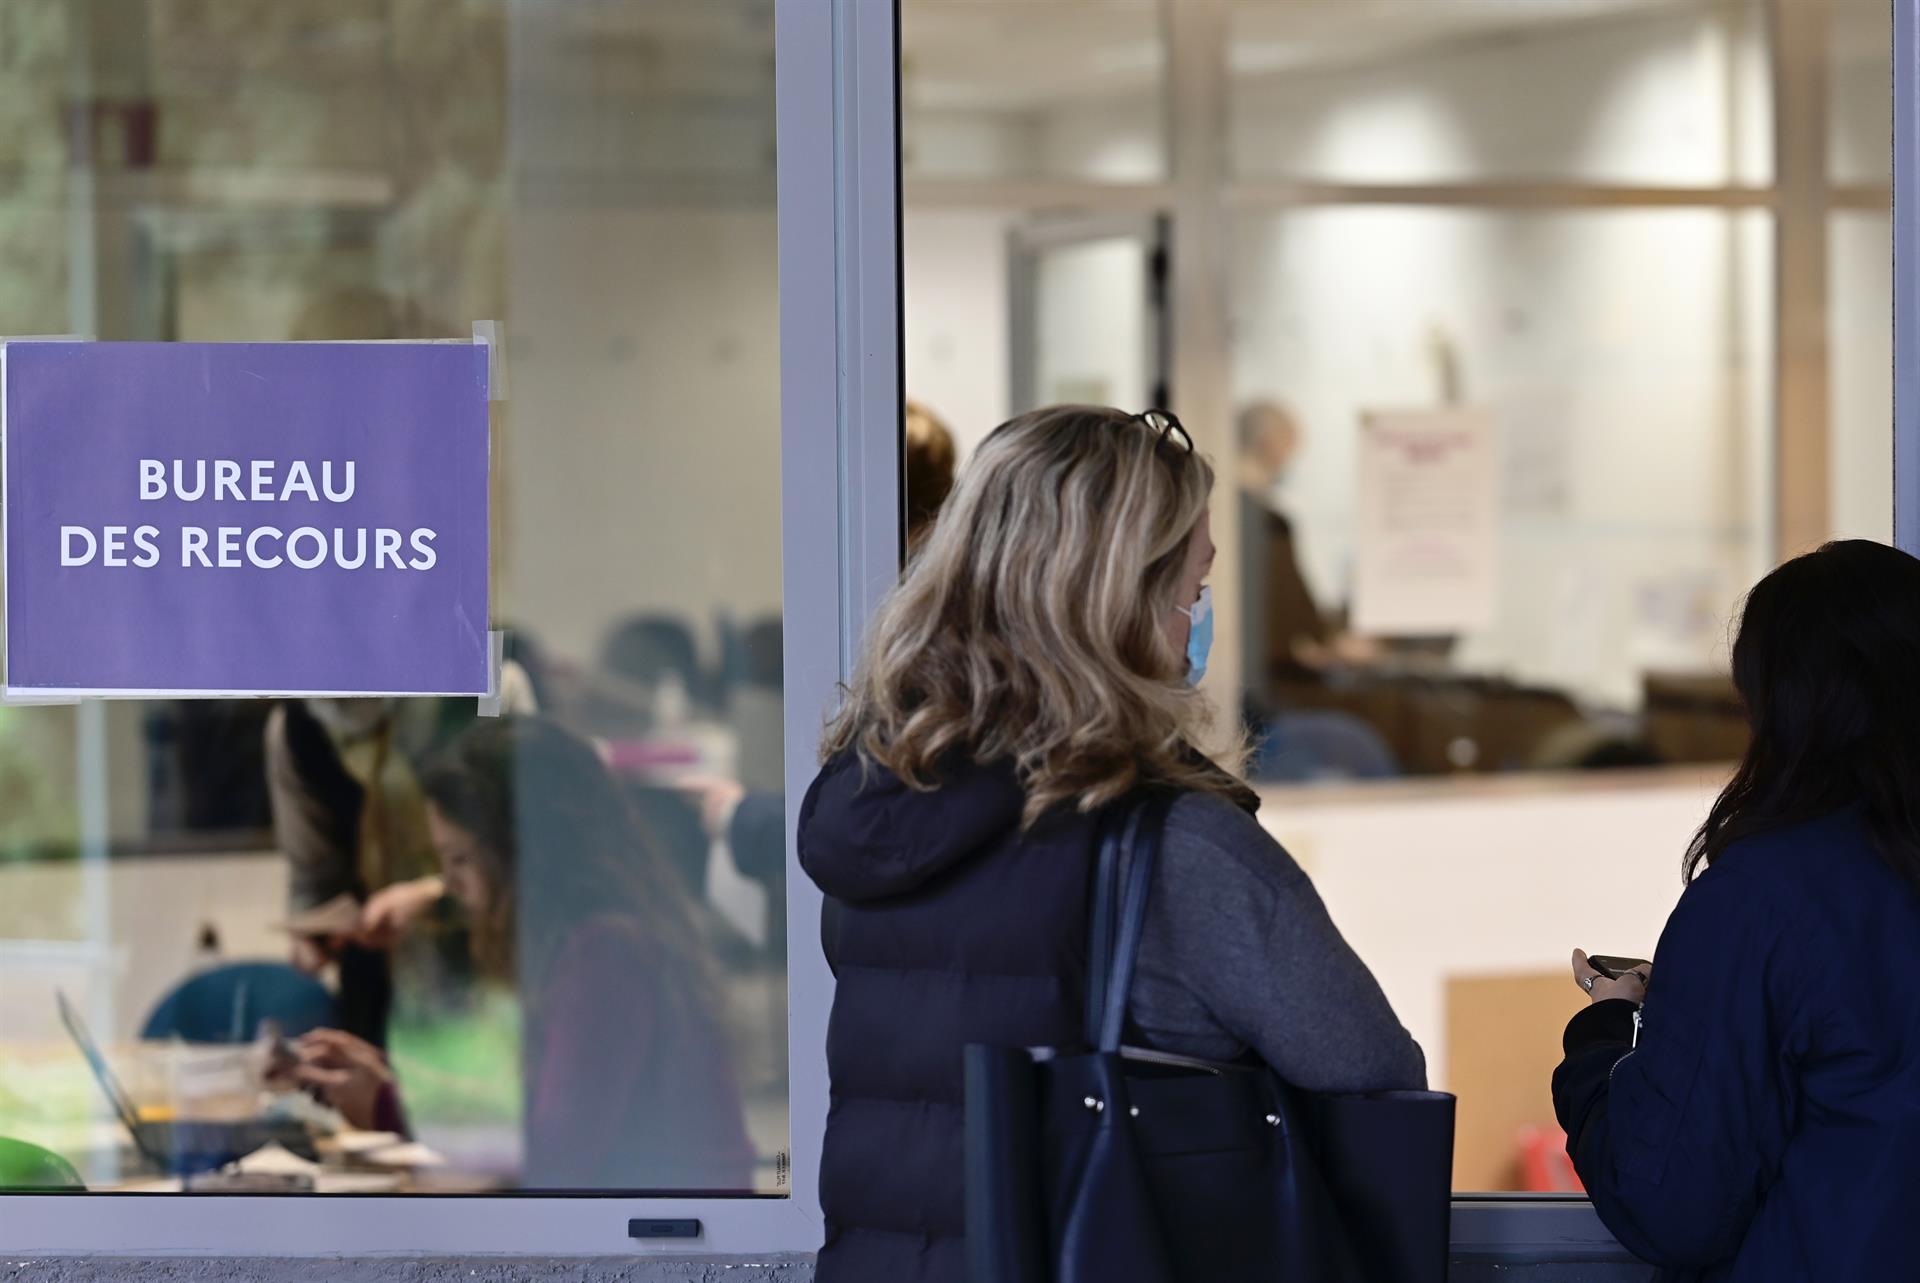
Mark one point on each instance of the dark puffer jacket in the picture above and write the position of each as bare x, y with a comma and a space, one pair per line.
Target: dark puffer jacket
1764, 1127
947, 926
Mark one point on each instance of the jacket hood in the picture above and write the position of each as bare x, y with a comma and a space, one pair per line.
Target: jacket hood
866, 836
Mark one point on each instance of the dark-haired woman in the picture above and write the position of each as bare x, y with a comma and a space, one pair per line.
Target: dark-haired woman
1750, 1113
629, 1080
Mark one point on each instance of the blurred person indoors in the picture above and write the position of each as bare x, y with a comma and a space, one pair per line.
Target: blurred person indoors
931, 457
1285, 637
1282, 624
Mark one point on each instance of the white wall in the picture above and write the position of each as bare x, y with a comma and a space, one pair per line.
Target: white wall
117, 935
641, 462
963, 145
1101, 141
955, 316
1106, 142
1435, 882
1647, 98
1092, 319
1860, 256
1861, 84
643, 447
1092, 325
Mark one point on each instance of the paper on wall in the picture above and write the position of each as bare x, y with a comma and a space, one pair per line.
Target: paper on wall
1426, 532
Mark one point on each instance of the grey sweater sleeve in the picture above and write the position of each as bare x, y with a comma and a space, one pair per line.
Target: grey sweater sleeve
1239, 953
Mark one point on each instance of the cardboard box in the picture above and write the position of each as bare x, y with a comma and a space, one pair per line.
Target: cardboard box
1503, 1043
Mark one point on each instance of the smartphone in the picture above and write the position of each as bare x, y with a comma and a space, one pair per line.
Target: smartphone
1613, 968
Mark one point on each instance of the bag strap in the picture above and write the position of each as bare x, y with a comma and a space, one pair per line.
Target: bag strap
1129, 852
1100, 923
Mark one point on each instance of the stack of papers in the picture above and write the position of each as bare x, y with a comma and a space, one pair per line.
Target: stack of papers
409, 1155
276, 1160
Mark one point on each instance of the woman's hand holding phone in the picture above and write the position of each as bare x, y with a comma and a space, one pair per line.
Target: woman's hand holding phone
1599, 987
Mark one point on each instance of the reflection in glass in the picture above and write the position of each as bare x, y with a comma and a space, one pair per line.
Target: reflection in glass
1860, 85
628, 1080
596, 178
1009, 89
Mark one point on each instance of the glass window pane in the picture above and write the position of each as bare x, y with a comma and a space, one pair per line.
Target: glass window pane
1860, 80
1623, 358
1594, 343
1106, 274
1860, 251
957, 316
592, 994
1860, 270
1409, 91
1015, 89
1617, 363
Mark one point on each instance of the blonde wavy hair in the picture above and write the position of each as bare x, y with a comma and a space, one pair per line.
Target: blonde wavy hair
1029, 626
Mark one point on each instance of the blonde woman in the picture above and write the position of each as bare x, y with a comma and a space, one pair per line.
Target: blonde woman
1035, 666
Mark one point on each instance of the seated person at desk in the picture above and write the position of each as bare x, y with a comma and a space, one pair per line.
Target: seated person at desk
1283, 628
1286, 639
628, 1078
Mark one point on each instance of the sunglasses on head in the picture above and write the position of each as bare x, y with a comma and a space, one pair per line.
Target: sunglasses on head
1167, 429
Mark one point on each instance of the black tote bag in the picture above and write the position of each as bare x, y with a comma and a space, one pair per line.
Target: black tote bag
1095, 1164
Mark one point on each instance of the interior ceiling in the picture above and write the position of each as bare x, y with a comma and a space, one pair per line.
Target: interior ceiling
958, 55
1015, 55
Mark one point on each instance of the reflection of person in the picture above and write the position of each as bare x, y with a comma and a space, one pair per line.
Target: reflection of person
929, 471
754, 827
348, 816
350, 1074
345, 808
1755, 1119
629, 1081
1033, 668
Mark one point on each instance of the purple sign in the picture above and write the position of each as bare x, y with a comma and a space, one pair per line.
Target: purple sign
246, 518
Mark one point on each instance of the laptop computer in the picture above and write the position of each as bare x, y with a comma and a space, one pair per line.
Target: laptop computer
176, 1147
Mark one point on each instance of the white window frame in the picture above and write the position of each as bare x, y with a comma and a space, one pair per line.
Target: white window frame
837, 68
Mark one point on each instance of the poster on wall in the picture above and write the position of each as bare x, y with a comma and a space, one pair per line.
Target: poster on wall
214, 519
1426, 537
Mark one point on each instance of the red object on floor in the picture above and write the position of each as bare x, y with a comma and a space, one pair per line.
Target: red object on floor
1544, 1165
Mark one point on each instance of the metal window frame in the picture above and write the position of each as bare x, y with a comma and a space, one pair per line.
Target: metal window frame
1906, 274
837, 71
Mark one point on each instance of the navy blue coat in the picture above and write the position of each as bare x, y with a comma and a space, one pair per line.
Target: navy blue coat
1767, 1126
947, 925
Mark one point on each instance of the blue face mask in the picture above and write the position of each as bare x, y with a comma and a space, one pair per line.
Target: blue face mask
1199, 635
